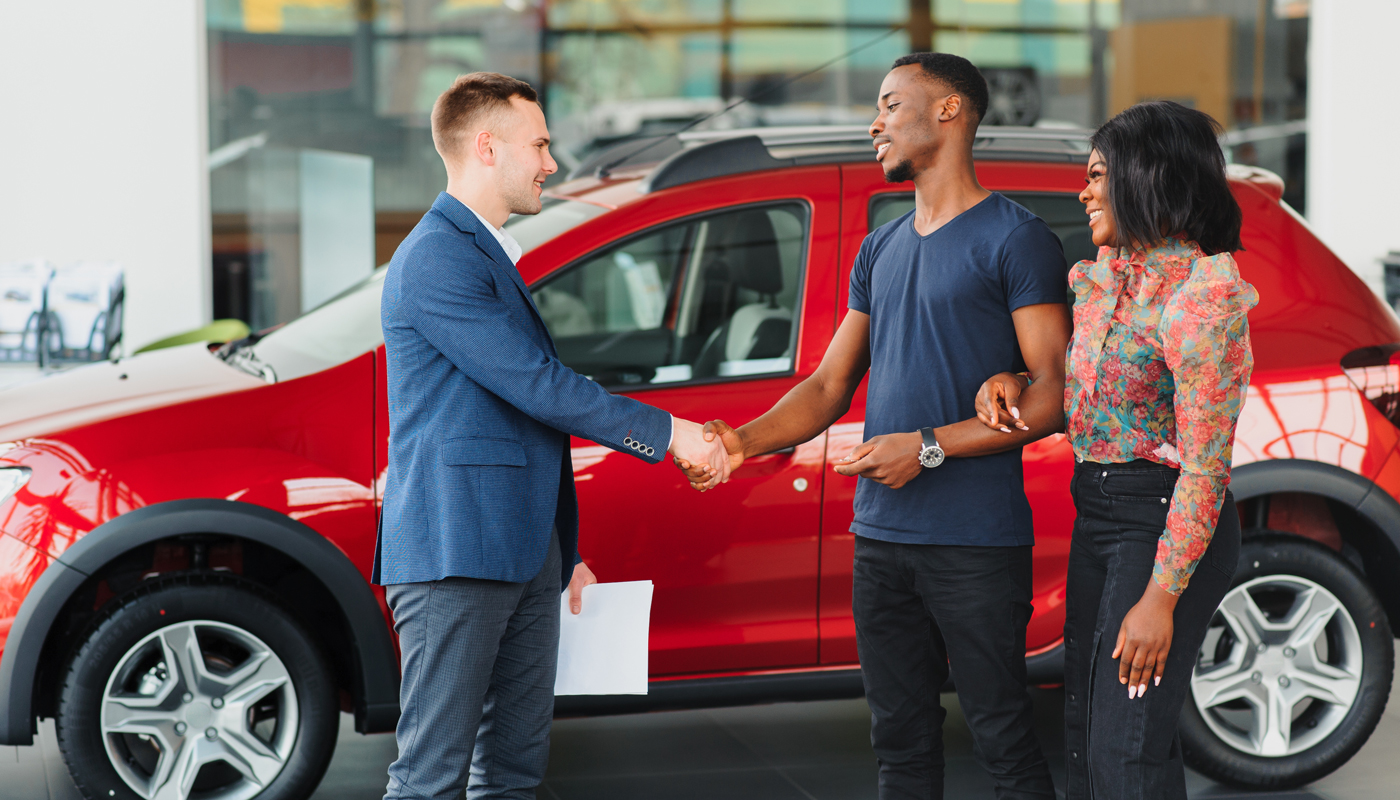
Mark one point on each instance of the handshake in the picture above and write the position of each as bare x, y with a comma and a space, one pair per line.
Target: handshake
706, 454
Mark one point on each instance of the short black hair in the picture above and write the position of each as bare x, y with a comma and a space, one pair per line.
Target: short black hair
958, 73
1166, 177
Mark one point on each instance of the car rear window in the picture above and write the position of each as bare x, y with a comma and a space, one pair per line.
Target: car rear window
1061, 211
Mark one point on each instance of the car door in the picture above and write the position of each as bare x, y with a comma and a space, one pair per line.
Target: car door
714, 313
869, 203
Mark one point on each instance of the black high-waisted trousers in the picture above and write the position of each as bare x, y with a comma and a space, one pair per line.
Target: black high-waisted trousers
1116, 748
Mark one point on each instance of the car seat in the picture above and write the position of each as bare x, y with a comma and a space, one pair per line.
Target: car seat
747, 257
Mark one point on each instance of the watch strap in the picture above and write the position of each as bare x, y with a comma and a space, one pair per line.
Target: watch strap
929, 439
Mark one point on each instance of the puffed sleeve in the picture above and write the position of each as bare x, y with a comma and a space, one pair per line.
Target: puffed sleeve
1205, 335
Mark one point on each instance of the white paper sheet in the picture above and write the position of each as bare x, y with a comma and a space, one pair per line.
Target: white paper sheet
603, 650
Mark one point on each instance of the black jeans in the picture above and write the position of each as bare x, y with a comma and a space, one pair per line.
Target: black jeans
918, 610
1116, 748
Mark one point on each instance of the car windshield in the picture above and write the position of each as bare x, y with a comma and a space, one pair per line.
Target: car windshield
347, 325
334, 332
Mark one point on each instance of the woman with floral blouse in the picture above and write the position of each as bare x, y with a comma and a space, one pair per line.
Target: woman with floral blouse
1157, 372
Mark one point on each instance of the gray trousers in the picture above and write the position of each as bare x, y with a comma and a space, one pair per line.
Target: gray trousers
477, 697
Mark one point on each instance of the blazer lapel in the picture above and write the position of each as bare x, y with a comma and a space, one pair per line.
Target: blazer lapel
467, 222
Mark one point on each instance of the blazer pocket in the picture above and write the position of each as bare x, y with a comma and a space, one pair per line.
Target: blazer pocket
472, 451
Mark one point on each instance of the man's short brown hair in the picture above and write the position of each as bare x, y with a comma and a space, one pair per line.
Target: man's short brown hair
460, 112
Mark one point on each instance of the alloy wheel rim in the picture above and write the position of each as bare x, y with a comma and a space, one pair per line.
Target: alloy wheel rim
1280, 668
199, 706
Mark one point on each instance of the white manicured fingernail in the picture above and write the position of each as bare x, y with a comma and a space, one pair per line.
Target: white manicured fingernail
1132, 692
1142, 689
1015, 412
1005, 429
1157, 681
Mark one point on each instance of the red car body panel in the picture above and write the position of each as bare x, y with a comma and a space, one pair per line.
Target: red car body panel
750, 579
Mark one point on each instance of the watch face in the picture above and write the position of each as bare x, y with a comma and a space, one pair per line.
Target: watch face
931, 456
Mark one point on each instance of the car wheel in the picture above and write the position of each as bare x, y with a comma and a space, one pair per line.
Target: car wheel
197, 687
1294, 673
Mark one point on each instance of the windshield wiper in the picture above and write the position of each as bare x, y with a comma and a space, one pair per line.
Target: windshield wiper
236, 354
227, 350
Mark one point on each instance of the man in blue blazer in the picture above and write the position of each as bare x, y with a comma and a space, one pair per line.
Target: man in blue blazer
479, 526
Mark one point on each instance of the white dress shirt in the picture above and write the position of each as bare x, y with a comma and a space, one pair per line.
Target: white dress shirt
507, 242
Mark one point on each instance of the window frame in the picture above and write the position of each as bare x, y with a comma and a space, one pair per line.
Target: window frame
1009, 194
695, 219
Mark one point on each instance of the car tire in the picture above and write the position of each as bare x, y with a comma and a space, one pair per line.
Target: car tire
1327, 655
255, 716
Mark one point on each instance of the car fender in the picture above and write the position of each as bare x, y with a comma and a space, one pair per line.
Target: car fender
377, 672
1314, 477
1380, 551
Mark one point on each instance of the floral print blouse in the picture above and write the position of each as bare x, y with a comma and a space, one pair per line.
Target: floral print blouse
1157, 369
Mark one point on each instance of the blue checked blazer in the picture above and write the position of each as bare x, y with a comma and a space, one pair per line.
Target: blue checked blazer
480, 413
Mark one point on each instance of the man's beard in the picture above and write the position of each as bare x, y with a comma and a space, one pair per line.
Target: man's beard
903, 171
519, 194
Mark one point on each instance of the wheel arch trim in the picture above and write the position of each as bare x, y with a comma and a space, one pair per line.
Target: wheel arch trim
1314, 477
376, 696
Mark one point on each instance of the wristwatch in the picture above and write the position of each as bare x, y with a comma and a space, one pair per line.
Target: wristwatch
931, 454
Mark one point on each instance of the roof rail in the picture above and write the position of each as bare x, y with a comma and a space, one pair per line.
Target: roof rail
698, 155
726, 156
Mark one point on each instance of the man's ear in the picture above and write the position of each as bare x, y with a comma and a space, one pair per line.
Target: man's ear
949, 109
484, 147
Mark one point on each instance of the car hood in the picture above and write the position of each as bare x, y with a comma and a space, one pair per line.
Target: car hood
101, 391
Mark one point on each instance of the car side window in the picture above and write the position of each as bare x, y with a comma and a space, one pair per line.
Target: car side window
1061, 211
708, 297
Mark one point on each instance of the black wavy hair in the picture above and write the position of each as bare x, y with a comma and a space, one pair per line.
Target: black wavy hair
1166, 177
958, 73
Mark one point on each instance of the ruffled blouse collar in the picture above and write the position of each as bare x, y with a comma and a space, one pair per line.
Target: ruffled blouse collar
1115, 266
1098, 285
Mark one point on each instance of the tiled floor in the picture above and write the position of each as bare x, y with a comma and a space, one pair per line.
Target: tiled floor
803, 751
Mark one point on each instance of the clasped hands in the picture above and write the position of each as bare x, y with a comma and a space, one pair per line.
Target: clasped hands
707, 464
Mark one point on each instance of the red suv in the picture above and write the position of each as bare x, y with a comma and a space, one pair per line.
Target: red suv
187, 534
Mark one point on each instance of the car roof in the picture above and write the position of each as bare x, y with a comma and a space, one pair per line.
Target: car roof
630, 170
650, 164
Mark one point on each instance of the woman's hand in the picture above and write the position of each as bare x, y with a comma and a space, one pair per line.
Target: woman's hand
997, 399
1144, 639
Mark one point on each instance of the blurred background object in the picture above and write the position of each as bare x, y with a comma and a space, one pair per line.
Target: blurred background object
219, 331
69, 314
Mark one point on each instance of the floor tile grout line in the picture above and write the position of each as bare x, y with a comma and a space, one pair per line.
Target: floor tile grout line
780, 770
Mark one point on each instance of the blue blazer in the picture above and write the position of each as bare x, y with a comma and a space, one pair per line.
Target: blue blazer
480, 413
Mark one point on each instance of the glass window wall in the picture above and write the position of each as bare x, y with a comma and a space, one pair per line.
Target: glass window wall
300, 83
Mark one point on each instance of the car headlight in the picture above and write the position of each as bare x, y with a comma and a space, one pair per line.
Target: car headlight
11, 479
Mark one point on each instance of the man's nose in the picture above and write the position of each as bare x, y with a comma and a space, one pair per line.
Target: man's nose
876, 128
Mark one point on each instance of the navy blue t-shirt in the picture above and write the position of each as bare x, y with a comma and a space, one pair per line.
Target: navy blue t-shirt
940, 325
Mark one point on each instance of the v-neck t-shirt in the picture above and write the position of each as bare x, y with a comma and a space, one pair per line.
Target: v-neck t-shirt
940, 324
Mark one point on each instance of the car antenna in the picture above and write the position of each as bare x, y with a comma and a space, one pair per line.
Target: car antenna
606, 169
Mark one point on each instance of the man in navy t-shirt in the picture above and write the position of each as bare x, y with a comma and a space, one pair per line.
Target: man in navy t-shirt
967, 285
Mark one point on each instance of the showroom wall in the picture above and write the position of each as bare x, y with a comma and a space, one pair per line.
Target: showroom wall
1354, 131
103, 148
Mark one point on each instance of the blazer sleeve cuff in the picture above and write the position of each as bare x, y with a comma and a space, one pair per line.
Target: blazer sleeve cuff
650, 436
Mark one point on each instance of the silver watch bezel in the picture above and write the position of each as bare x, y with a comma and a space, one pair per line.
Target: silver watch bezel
931, 456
